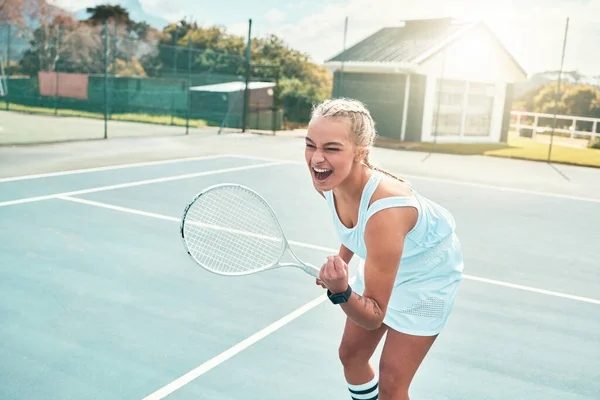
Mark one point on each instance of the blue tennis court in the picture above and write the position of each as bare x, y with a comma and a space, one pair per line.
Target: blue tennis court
100, 301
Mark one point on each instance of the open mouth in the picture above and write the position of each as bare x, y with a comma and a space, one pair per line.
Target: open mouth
322, 174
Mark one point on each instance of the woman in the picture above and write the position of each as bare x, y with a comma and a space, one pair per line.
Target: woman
410, 258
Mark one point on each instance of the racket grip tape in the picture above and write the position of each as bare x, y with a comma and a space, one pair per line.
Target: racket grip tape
312, 270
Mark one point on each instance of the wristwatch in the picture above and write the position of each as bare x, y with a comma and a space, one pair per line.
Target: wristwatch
339, 298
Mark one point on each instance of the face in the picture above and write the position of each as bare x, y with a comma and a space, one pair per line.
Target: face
330, 154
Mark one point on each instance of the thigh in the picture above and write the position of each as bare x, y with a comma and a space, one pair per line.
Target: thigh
400, 359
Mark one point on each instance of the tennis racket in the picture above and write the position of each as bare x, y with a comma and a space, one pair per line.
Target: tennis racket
231, 230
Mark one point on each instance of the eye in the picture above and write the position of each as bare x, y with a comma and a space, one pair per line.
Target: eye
310, 146
332, 149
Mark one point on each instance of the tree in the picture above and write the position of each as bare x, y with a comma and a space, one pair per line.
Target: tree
213, 49
544, 100
12, 11
582, 100
66, 46
108, 13
140, 29
22, 12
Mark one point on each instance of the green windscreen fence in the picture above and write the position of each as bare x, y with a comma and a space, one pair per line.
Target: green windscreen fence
107, 71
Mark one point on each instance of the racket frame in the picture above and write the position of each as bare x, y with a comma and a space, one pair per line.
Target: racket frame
306, 267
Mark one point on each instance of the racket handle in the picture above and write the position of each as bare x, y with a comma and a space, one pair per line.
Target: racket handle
312, 270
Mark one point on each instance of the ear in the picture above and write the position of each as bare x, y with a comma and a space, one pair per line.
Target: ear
360, 154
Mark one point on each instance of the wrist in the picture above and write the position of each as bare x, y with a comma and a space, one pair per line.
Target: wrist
340, 297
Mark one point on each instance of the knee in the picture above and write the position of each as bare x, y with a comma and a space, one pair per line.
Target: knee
351, 355
392, 382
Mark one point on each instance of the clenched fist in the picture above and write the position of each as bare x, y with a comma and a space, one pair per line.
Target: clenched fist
334, 275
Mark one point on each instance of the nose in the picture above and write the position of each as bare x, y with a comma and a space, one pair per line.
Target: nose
318, 157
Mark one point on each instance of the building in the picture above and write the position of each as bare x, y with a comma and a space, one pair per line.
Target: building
224, 103
434, 79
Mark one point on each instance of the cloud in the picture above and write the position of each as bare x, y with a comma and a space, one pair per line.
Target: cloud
74, 5
274, 16
532, 30
239, 29
171, 10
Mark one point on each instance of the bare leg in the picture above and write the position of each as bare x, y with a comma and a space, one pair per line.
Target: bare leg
401, 357
356, 349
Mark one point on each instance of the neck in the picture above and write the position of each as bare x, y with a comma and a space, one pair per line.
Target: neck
352, 187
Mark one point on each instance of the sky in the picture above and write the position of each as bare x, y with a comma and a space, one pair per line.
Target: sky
532, 30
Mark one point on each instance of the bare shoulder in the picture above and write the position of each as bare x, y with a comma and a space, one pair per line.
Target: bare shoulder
389, 187
393, 220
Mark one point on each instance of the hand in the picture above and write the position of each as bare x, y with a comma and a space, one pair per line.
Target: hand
334, 274
320, 282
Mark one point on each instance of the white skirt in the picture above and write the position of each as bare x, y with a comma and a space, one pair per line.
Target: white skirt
421, 302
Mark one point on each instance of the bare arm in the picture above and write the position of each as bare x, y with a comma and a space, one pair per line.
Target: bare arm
384, 238
345, 254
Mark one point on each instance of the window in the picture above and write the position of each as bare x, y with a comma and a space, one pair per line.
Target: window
448, 107
480, 104
457, 102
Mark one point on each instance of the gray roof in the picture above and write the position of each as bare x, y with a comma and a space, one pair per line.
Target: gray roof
401, 44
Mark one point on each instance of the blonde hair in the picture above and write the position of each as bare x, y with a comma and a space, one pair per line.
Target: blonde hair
361, 124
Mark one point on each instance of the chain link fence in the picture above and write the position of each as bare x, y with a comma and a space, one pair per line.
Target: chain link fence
113, 73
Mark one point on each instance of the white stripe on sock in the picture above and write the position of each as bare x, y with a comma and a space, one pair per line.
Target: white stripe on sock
369, 390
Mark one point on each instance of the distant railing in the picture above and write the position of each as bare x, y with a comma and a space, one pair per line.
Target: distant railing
531, 124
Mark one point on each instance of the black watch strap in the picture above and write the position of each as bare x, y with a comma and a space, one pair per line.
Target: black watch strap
339, 298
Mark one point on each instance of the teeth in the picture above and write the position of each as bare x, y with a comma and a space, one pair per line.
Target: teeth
321, 170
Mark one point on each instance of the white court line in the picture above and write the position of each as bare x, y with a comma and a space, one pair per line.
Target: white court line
227, 354
237, 348
137, 183
269, 159
334, 251
455, 182
531, 289
173, 219
112, 167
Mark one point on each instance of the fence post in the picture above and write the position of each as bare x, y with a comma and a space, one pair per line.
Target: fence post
246, 92
113, 64
275, 108
8, 69
105, 79
189, 93
58, 44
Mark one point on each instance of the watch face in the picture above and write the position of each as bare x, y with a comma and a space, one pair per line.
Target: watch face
338, 298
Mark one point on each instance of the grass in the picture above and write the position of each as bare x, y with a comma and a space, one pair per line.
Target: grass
516, 147
528, 149
449, 148
130, 117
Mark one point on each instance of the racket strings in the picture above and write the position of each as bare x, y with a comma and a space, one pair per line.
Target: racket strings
232, 231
